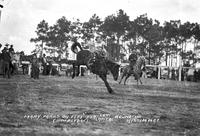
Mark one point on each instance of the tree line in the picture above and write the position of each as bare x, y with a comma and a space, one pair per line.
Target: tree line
122, 36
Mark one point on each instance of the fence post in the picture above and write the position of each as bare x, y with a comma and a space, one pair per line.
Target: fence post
159, 72
120, 71
80, 69
29, 69
179, 75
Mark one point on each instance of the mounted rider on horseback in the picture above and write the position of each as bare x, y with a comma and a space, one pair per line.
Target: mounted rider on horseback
96, 63
98, 54
75, 45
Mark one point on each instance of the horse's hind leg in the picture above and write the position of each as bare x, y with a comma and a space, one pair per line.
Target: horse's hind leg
128, 75
121, 78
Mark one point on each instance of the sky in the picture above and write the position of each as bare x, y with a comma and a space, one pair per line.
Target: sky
19, 18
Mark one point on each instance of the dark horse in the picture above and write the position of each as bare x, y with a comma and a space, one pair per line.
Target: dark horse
96, 65
6, 63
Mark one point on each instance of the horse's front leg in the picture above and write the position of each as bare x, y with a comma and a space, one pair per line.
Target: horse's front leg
137, 77
103, 77
122, 78
74, 71
140, 81
78, 70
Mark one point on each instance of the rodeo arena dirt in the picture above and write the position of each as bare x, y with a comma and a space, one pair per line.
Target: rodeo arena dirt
59, 105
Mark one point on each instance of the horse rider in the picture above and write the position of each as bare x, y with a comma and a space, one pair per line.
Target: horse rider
100, 50
75, 44
133, 58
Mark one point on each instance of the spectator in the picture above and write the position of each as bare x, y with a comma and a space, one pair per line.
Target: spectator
187, 64
0, 46
173, 74
35, 67
195, 75
183, 72
198, 75
5, 49
44, 64
11, 50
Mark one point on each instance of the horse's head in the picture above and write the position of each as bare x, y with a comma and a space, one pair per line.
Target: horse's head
114, 69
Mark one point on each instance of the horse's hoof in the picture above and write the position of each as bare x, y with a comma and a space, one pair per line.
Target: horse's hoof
110, 91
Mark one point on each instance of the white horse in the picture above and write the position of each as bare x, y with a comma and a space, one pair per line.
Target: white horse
135, 70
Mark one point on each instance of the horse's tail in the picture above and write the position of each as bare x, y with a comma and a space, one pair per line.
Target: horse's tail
74, 47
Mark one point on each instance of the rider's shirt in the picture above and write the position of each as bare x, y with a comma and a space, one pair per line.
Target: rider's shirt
74, 46
132, 59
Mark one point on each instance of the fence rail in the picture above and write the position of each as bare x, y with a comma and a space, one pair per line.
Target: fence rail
170, 68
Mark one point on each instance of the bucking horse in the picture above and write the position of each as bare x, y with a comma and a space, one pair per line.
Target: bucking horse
97, 65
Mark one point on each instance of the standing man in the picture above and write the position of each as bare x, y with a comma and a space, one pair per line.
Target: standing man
5, 49
35, 67
0, 47
11, 50
44, 64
